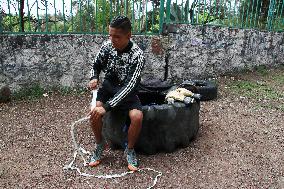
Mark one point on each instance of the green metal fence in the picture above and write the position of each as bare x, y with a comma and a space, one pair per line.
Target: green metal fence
147, 16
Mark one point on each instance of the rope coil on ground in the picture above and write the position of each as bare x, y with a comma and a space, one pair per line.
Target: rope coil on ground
81, 151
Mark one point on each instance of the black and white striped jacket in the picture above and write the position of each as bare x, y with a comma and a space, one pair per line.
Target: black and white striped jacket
123, 68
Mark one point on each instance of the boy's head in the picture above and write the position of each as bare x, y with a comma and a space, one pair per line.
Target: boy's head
120, 32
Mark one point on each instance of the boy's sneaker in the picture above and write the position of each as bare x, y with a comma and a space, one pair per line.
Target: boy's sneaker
97, 155
131, 159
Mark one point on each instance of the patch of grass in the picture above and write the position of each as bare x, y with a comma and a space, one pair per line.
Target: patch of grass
246, 69
64, 90
30, 93
281, 107
70, 90
262, 69
256, 90
262, 85
277, 107
36, 91
270, 106
279, 79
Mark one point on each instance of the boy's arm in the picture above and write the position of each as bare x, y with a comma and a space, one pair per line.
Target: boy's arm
99, 62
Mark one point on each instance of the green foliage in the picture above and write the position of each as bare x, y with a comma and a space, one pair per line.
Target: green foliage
153, 22
265, 87
65, 90
12, 23
278, 24
262, 70
205, 17
256, 90
94, 15
91, 19
279, 79
29, 93
36, 91
8, 22
88, 16
179, 13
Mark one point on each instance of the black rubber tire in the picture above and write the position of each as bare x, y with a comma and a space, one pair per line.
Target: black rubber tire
154, 86
5, 94
164, 128
207, 89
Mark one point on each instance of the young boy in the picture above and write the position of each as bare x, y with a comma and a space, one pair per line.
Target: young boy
122, 60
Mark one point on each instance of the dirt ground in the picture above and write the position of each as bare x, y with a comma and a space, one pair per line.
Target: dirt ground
240, 144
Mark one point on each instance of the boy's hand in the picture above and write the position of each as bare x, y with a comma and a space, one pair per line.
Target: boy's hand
93, 84
97, 112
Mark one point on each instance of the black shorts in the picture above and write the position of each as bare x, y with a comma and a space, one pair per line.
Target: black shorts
109, 89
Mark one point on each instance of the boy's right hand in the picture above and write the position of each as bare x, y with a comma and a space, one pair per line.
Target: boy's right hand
93, 84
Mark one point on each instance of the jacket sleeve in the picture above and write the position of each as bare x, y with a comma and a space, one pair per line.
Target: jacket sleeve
99, 63
130, 84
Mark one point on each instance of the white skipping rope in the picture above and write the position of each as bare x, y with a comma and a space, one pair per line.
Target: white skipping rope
78, 149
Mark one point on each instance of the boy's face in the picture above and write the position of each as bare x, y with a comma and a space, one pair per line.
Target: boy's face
119, 38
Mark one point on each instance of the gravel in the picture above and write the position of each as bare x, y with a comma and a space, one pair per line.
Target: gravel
238, 146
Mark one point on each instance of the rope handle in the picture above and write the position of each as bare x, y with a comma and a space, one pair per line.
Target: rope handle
94, 98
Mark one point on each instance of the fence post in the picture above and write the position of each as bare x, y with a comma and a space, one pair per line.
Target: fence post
1, 28
161, 22
270, 15
168, 11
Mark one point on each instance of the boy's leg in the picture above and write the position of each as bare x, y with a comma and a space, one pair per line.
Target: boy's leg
96, 125
136, 117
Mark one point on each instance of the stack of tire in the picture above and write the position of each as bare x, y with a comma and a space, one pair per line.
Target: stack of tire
165, 127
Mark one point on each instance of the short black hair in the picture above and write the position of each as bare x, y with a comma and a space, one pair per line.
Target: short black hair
121, 22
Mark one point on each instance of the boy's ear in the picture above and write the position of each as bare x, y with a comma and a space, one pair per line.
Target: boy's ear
129, 35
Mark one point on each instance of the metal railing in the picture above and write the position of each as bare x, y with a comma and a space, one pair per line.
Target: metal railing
147, 16
259, 14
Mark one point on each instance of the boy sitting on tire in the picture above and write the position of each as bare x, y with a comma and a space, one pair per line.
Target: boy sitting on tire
122, 60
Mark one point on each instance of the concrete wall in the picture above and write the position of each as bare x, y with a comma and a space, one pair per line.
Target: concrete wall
191, 52
210, 51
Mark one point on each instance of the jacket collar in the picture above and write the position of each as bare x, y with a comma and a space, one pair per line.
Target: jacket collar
127, 48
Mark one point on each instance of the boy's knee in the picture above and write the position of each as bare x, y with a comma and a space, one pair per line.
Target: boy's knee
136, 115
